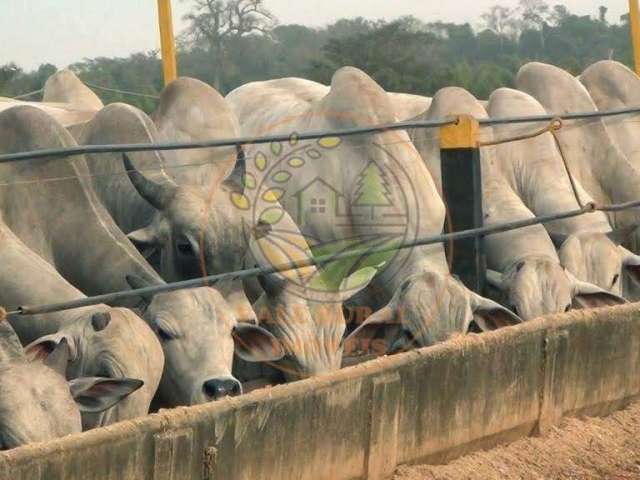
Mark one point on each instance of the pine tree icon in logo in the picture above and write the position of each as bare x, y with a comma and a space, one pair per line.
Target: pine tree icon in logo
372, 190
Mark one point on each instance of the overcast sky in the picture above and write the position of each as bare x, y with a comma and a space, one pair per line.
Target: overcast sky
64, 31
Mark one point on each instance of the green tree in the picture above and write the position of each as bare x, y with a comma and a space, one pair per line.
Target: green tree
212, 23
372, 188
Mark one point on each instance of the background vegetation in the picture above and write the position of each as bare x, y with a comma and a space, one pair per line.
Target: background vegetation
232, 42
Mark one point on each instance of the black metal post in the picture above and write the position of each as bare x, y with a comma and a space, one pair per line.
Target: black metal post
462, 194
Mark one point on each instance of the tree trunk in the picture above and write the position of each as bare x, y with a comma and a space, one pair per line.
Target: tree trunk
216, 54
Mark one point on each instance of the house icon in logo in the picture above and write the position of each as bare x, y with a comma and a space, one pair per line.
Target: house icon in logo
317, 198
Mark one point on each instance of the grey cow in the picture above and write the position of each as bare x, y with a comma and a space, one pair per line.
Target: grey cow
102, 341
36, 401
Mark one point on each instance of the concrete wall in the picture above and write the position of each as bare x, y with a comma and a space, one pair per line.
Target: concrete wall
423, 406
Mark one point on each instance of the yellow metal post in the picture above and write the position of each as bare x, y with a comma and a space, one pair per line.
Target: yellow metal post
167, 42
634, 20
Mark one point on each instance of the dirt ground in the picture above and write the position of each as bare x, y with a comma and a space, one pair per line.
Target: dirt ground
589, 448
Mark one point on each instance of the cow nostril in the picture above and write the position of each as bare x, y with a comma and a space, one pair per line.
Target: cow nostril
217, 388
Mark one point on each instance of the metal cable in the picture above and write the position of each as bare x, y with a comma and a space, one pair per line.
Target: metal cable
234, 142
124, 92
141, 147
28, 94
555, 124
252, 272
574, 187
567, 116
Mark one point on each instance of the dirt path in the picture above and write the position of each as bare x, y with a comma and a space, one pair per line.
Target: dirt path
589, 448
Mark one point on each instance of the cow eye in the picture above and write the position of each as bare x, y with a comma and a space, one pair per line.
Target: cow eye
567, 308
515, 309
185, 247
165, 334
616, 277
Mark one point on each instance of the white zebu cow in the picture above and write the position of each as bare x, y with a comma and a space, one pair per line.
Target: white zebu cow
594, 159
65, 87
408, 106
50, 205
103, 341
179, 206
415, 284
614, 86
530, 275
534, 170
65, 98
67, 115
37, 404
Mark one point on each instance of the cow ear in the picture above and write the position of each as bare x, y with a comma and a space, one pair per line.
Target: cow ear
146, 240
55, 351
233, 292
96, 394
489, 315
382, 324
356, 282
587, 295
255, 344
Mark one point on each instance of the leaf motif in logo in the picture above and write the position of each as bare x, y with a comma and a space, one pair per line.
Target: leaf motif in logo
273, 195
329, 142
240, 201
313, 153
276, 148
261, 161
249, 181
293, 139
281, 177
271, 215
296, 162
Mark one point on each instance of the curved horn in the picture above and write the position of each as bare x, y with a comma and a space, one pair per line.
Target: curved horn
235, 179
494, 279
157, 194
558, 239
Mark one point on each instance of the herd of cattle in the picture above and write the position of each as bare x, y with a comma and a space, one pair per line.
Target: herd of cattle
99, 223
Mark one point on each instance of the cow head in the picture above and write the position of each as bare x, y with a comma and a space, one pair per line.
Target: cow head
427, 308
538, 286
194, 233
109, 343
308, 323
199, 344
598, 259
38, 404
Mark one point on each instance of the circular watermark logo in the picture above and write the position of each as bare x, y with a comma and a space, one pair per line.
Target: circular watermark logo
330, 197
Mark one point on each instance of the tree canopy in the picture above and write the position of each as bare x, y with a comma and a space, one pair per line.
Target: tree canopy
407, 54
